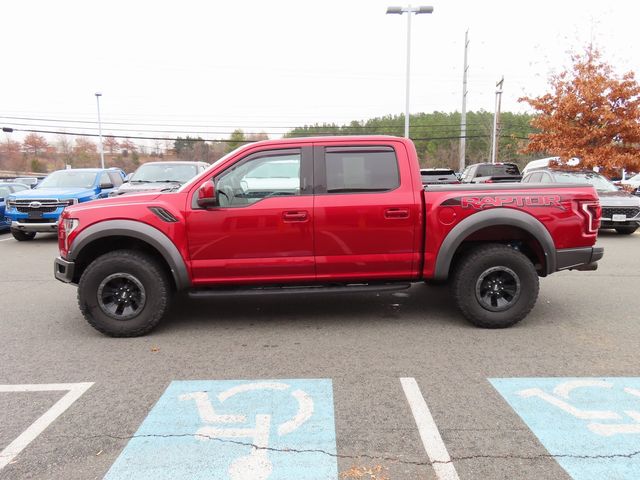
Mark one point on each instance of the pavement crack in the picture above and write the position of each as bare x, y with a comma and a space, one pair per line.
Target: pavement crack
384, 458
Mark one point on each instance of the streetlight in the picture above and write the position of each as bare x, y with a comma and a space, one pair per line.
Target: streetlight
98, 95
408, 10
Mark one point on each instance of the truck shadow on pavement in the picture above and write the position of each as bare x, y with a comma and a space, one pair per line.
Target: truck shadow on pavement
420, 303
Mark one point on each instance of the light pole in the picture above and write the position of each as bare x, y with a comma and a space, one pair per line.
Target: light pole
408, 10
98, 95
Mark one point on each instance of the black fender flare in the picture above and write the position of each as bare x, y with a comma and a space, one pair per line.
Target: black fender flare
139, 231
489, 218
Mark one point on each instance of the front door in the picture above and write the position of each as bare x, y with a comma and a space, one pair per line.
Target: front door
261, 231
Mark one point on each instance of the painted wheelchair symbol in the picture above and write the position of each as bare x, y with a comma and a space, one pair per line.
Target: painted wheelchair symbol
256, 465
560, 399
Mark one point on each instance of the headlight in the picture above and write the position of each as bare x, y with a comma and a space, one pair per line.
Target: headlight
8, 204
69, 225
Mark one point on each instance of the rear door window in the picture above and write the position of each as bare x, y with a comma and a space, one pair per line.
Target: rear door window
361, 170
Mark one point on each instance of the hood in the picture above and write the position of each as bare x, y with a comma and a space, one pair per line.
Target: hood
618, 199
61, 193
115, 201
144, 187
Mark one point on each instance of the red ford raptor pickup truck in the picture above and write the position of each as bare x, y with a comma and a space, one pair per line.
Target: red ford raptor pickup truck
329, 214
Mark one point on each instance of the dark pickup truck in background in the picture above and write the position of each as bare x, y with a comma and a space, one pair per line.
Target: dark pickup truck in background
327, 214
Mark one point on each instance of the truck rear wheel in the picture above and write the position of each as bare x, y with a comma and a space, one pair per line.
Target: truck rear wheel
23, 236
124, 293
495, 286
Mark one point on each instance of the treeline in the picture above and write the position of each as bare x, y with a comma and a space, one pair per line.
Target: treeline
437, 135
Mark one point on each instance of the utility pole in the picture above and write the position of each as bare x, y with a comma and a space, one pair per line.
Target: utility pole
496, 121
463, 116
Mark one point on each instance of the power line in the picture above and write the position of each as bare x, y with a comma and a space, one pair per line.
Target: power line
224, 140
322, 125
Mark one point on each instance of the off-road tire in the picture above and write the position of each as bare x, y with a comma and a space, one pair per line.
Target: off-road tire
626, 230
479, 266
23, 236
130, 264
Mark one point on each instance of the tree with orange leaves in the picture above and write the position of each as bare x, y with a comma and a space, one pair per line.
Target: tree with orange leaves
590, 114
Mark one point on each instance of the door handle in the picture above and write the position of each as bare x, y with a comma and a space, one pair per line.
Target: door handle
393, 213
295, 216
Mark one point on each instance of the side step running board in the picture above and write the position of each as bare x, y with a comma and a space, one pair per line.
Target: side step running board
287, 290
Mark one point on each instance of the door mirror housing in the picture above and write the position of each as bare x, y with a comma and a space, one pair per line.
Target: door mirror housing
106, 185
207, 195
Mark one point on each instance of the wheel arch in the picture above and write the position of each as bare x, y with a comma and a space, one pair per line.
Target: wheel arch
486, 221
112, 235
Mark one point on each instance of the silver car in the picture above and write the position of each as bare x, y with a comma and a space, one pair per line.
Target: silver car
620, 209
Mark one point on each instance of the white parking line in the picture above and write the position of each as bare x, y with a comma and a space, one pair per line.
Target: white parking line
36, 428
431, 439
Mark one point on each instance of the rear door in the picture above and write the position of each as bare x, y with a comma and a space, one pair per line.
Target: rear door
365, 213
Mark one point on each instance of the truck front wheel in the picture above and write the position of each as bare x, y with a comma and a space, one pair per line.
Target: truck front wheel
495, 286
124, 293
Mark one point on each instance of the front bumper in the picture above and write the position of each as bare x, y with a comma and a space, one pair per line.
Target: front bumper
63, 270
35, 226
585, 258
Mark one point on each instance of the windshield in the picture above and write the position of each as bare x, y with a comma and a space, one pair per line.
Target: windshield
598, 181
277, 169
4, 191
164, 172
69, 179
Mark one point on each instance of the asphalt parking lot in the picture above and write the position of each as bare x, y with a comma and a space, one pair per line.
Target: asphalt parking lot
529, 402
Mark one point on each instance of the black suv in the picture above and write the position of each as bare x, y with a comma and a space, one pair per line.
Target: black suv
438, 176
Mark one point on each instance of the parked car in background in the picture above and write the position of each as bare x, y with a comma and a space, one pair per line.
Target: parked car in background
31, 182
491, 173
38, 209
160, 176
632, 182
438, 176
7, 189
620, 209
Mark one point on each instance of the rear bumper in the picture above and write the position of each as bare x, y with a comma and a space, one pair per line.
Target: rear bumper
63, 270
35, 227
585, 258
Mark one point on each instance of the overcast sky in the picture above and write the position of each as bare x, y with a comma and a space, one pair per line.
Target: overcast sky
268, 65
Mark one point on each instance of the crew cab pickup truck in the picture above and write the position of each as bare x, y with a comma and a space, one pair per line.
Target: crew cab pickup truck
38, 209
330, 214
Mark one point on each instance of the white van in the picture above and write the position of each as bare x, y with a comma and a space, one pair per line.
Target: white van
544, 163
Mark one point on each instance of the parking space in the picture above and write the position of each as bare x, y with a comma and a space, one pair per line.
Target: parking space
347, 355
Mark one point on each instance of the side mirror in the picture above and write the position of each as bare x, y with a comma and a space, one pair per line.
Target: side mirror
106, 185
207, 195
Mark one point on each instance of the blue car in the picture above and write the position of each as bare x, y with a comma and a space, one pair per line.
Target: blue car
7, 189
38, 209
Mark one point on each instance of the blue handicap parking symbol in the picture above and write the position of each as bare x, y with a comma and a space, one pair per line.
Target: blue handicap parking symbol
250, 429
590, 425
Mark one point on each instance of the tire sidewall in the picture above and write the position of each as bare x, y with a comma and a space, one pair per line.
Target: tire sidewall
476, 265
146, 271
